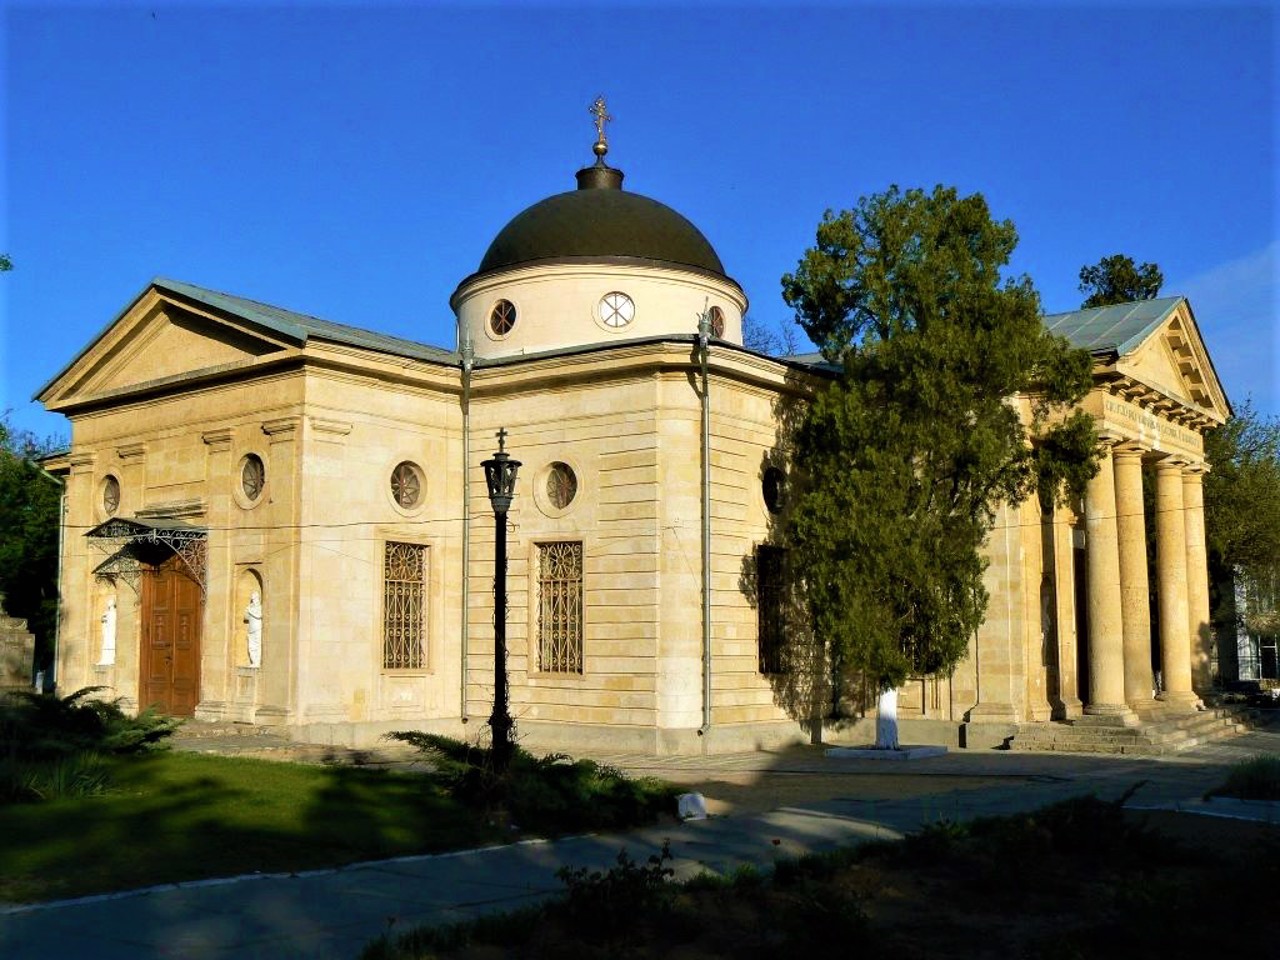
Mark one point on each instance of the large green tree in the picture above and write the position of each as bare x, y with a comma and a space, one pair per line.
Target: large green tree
1242, 515
30, 501
1117, 279
905, 458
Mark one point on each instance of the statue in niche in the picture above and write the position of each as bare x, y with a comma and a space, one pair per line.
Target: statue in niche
108, 620
253, 632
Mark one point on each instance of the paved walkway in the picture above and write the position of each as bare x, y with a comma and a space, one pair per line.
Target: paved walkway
331, 915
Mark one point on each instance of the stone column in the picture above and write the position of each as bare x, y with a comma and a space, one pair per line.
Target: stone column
1197, 579
1171, 569
1135, 591
1106, 639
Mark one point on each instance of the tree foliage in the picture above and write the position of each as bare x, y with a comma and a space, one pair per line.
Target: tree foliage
5, 262
1242, 497
907, 455
1117, 279
30, 500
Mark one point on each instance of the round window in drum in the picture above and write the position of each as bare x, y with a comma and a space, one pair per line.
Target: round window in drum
502, 319
717, 323
616, 310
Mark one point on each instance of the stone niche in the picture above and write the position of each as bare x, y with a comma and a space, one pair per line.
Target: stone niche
17, 652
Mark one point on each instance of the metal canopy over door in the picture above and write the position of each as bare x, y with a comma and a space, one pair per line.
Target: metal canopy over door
171, 618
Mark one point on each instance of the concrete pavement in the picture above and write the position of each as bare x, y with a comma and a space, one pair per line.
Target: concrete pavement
331, 915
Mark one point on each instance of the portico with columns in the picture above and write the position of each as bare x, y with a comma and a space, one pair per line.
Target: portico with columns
1156, 395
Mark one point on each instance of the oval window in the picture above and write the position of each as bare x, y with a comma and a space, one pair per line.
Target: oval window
774, 487
562, 485
253, 476
406, 484
110, 495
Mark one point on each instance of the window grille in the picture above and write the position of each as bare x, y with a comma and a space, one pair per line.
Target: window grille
770, 605
560, 607
404, 606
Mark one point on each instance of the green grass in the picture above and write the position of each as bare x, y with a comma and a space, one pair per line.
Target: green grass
182, 816
1254, 779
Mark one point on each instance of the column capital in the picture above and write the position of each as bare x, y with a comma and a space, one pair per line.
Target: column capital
1128, 449
1196, 471
1172, 461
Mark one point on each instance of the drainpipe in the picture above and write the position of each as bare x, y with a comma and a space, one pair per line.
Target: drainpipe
467, 350
704, 337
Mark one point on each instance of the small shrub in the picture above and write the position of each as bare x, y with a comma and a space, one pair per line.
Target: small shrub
71, 777
36, 726
554, 793
603, 904
1257, 778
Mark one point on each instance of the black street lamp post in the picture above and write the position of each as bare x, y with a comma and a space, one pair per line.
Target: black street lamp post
500, 477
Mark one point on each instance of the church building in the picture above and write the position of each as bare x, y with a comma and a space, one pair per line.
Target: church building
282, 521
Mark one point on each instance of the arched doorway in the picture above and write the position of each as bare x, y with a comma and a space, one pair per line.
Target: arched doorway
171, 617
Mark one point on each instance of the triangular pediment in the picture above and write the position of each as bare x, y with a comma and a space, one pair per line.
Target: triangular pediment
1171, 360
158, 339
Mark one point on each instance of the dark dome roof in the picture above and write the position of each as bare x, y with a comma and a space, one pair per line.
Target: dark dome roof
600, 220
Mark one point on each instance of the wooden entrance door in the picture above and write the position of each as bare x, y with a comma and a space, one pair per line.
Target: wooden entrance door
171, 616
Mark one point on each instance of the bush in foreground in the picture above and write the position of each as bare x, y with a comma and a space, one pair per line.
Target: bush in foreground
54, 747
1255, 779
553, 793
1081, 878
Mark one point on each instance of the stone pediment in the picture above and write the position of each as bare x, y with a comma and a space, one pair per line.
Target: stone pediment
1171, 361
157, 340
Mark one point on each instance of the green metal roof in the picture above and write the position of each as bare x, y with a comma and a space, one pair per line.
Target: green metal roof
1119, 328
299, 327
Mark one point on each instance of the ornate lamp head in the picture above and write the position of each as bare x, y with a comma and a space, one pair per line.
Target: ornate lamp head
500, 476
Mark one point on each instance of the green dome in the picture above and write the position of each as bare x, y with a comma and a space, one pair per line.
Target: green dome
600, 220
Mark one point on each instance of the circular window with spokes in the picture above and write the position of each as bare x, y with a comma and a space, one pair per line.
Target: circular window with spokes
407, 485
502, 318
616, 310
717, 323
556, 488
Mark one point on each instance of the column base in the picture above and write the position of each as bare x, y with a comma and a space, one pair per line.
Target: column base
1108, 715
1148, 708
1068, 708
1180, 701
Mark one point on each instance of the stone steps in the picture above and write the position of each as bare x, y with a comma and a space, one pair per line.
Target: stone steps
1150, 738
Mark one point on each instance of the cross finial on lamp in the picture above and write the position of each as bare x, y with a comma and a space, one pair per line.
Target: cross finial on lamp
502, 439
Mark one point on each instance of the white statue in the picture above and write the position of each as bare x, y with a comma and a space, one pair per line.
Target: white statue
887, 720
108, 620
253, 617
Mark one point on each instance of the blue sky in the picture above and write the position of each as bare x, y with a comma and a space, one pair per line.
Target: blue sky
354, 161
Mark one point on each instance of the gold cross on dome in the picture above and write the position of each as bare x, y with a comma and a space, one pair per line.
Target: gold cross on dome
598, 111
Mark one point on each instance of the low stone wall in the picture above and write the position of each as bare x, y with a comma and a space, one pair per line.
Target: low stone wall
17, 652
